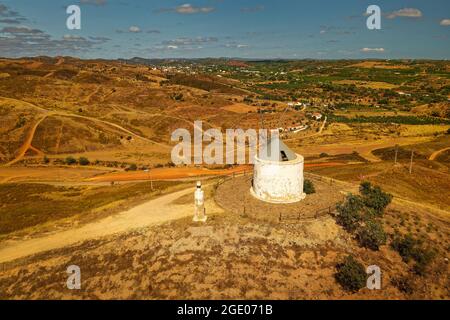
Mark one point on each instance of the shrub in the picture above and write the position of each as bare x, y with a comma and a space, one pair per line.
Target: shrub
308, 187
132, 167
351, 274
70, 160
404, 246
350, 212
372, 235
170, 164
411, 248
323, 155
21, 122
83, 161
374, 197
178, 97
404, 284
46, 160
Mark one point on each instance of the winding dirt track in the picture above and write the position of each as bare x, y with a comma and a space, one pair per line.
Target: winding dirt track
47, 113
153, 212
27, 144
437, 153
186, 173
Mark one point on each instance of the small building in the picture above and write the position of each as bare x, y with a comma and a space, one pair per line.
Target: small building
317, 116
278, 174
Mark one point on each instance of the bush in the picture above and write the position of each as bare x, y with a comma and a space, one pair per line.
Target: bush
83, 161
410, 248
350, 212
46, 160
374, 197
308, 187
132, 167
372, 235
404, 284
351, 274
70, 160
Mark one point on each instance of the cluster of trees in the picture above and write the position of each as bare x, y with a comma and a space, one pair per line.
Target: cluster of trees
82, 161
389, 119
361, 215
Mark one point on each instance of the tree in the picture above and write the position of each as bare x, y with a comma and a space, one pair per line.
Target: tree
372, 235
308, 187
351, 274
374, 197
70, 160
350, 212
46, 160
83, 161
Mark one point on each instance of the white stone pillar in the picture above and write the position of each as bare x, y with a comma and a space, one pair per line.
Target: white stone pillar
199, 202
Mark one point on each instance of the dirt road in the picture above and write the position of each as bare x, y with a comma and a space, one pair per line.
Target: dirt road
27, 144
437, 153
153, 212
169, 174
185, 173
47, 113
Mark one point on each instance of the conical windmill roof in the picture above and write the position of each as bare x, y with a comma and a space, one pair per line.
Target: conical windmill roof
281, 152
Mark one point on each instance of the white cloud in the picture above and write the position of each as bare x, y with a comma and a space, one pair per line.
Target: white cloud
186, 9
189, 9
445, 22
236, 45
372, 50
190, 41
134, 29
405, 12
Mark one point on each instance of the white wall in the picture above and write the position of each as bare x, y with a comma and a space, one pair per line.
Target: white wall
278, 182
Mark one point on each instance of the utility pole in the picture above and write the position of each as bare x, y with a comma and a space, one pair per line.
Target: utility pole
411, 163
396, 153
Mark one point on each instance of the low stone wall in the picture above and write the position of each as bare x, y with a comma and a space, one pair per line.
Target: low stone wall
234, 195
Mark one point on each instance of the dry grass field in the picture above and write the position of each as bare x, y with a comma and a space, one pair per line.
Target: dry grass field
368, 84
230, 257
86, 177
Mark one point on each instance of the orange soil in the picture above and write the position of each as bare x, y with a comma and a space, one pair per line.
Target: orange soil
170, 173
184, 173
240, 108
437, 153
27, 144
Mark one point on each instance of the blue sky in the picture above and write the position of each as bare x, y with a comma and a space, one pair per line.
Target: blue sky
325, 29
